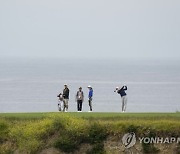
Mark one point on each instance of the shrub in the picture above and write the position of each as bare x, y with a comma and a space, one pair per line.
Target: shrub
149, 147
3, 131
78, 131
66, 143
97, 149
31, 135
97, 133
132, 128
72, 132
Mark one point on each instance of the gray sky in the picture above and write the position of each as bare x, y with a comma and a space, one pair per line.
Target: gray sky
94, 28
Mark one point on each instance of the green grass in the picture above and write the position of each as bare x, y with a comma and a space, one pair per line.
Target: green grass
32, 132
97, 115
23, 116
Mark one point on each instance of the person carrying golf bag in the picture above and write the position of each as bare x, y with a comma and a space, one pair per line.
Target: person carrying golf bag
65, 97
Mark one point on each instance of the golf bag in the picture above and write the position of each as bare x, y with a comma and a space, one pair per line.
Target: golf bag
60, 102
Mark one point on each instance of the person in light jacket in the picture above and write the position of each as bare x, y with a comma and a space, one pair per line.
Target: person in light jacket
79, 99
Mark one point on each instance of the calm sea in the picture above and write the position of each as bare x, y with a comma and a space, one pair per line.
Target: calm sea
31, 85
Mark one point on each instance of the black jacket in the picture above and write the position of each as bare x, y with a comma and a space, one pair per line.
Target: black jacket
66, 93
122, 91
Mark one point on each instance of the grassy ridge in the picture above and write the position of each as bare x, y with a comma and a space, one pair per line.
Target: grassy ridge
32, 132
97, 115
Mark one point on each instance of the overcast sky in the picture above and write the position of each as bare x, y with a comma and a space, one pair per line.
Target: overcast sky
94, 28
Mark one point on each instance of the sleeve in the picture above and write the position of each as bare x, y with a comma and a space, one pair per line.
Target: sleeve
76, 96
82, 96
125, 88
89, 94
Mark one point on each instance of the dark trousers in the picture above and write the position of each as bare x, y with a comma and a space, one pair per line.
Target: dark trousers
90, 104
79, 105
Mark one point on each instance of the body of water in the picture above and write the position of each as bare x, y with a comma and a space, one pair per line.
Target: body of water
31, 85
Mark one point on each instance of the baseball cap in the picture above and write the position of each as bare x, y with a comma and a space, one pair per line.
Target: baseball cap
117, 88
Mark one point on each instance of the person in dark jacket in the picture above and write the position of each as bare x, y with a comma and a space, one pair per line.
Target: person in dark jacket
65, 98
123, 95
79, 99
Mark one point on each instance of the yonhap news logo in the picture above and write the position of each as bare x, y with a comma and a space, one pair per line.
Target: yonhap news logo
130, 139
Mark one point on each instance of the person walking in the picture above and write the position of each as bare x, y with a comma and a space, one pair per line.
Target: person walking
79, 99
65, 97
123, 95
90, 96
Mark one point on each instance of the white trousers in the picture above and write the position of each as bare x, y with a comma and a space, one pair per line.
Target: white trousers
124, 103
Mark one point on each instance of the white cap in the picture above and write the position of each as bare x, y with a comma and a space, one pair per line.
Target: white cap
65, 84
117, 88
89, 86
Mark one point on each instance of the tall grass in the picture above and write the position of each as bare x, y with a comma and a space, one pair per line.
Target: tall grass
66, 132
